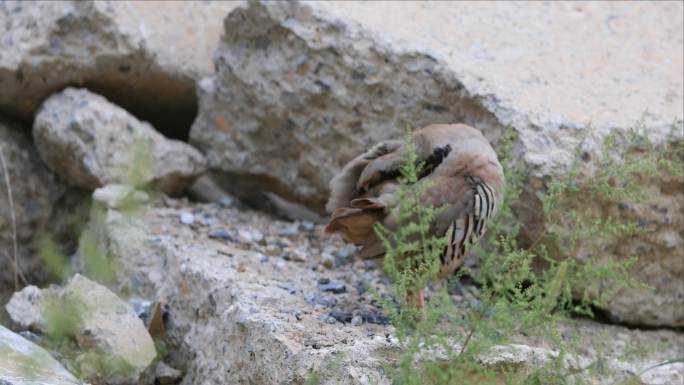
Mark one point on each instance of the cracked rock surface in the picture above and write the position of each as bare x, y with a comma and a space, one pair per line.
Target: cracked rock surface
250, 299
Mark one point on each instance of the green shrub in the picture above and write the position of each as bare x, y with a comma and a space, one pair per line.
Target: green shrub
513, 296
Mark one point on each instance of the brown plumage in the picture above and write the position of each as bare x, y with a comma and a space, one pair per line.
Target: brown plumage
463, 175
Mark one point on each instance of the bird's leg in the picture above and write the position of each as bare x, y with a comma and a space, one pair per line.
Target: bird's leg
419, 302
421, 299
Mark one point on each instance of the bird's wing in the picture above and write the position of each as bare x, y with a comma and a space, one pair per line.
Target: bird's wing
343, 185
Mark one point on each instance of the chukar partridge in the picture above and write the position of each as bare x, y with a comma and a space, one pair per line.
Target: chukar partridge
463, 175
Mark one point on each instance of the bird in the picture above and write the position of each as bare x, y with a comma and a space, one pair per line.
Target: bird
461, 172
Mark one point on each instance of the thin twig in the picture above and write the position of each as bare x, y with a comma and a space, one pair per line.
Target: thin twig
465, 344
21, 275
14, 222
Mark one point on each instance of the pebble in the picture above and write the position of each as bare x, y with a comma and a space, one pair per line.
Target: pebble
341, 316
318, 299
206, 220
346, 317
221, 234
187, 218
263, 258
312, 342
307, 226
290, 289
370, 265
226, 201
323, 281
141, 307
298, 255
328, 260
375, 319
250, 236
345, 252
289, 231
356, 320
166, 375
335, 288
316, 344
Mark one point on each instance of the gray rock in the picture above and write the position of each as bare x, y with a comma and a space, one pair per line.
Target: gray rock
91, 142
116, 196
328, 260
187, 218
166, 375
301, 88
356, 320
143, 56
101, 322
24, 363
36, 194
25, 308
112, 326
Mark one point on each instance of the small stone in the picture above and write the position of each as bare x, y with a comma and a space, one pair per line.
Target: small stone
343, 317
318, 299
245, 236
263, 258
25, 308
307, 226
312, 342
221, 234
375, 319
142, 308
116, 196
290, 289
299, 255
331, 320
250, 236
187, 218
335, 288
166, 375
289, 230
356, 320
226, 201
345, 252
323, 281
328, 260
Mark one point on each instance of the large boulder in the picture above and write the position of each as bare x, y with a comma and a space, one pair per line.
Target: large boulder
145, 56
91, 142
35, 192
24, 363
301, 88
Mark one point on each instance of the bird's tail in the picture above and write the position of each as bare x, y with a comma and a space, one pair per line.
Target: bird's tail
357, 226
